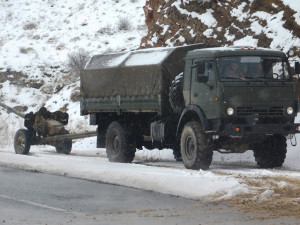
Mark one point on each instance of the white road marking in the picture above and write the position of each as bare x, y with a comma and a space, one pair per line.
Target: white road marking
40, 205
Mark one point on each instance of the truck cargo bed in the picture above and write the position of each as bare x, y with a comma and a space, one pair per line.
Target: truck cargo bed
136, 81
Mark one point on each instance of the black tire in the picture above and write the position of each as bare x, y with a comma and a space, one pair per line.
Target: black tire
176, 94
177, 153
196, 148
22, 141
148, 145
118, 148
271, 152
64, 146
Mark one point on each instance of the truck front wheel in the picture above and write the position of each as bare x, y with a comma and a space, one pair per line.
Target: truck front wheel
196, 148
118, 148
271, 153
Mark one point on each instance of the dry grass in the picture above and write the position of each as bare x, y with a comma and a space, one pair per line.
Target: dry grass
284, 200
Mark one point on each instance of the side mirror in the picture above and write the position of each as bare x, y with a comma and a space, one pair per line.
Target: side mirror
201, 68
297, 67
202, 79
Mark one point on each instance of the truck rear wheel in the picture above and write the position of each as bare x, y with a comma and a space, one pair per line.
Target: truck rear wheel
196, 149
272, 152
22, 142
118, 147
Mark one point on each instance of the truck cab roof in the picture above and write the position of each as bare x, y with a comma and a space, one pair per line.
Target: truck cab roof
232, 51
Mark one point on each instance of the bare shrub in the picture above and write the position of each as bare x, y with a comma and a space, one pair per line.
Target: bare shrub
81, 6
60, 46
75, 95
52, 40
124, 24
77, 61
24, 50
1, 42
109, 50
75, 39
36, 37
30, 26
106, 30
9, 16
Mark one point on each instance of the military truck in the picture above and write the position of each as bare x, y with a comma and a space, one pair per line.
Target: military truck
194, 99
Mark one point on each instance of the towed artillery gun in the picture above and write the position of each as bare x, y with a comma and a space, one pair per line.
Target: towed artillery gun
44, 128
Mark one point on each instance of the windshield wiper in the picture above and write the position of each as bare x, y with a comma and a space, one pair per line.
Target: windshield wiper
233, 78
262, 78
249, 78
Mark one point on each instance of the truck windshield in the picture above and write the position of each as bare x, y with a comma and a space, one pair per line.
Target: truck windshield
253, 67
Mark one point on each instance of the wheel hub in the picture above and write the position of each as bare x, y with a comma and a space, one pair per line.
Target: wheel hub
21, 142
190, 147
116, 144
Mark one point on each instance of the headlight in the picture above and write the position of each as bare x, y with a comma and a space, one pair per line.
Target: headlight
230, 111
289, 110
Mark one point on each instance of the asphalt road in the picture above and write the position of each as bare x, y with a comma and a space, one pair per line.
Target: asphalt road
37, 198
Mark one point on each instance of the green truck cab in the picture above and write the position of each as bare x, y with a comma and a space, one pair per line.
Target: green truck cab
194, 99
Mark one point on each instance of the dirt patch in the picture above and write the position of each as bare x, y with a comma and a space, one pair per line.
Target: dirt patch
272, 197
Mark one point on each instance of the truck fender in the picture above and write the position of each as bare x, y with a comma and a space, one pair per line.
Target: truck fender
191, 112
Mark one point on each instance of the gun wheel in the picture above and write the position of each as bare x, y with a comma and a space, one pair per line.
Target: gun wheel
22, 142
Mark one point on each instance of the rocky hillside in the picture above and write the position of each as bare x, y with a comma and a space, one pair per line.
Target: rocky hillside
268, 23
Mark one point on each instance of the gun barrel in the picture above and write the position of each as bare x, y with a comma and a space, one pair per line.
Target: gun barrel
60, 137
9, 109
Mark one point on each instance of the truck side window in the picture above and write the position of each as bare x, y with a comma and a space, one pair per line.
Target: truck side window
205, 71
210, 71
201, 68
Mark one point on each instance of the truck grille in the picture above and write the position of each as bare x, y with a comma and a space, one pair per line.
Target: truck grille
260, 111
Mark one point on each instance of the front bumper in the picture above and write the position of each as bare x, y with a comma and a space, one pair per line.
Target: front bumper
249, 129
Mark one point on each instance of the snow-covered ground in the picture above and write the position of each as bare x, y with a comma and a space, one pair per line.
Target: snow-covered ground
38, 33
154, 170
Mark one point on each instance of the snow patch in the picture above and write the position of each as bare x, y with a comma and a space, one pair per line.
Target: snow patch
207, 18
238, 12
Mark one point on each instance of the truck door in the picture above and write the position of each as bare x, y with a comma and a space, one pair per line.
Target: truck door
203, 86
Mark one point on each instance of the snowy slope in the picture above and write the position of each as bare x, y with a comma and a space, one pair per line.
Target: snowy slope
43, 33
37, 39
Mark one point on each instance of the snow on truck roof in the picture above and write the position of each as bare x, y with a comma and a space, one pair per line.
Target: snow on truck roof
153, 56
156, 56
